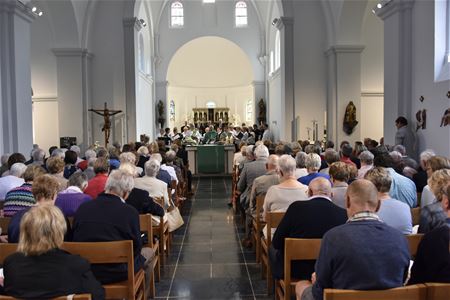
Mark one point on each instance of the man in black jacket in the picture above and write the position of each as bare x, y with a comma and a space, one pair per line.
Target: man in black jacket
109, 218
305, 219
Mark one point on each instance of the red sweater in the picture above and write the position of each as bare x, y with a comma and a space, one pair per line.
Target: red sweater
96, 185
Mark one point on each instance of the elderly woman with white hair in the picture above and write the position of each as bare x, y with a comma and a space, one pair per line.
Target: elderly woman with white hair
130, 157
312, 163
366, 158
280, 196
149, 183
13, 180
300, 160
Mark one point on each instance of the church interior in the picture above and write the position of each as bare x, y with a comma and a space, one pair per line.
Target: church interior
215, 113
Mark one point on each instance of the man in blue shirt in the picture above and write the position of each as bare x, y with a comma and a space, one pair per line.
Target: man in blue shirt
363, 254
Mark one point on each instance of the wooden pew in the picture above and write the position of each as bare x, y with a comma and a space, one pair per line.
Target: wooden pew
411, 292
145, 223
438, 291
415, 215
295, 249
273, 219
74, 297
117, 252
4, 223
413, 242
162, 231
258, 226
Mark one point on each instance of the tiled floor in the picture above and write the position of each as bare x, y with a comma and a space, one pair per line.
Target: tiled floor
207, 261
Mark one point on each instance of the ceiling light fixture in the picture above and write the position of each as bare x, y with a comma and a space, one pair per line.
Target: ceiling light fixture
275, 21
143, 23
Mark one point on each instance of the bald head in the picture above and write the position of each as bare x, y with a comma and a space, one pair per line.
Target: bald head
320, 187
272, 162
362, 195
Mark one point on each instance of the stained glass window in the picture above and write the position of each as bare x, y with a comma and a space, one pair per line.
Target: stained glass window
241, 14
176, 14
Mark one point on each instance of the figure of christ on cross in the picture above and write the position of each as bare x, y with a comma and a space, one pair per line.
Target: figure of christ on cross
106, 114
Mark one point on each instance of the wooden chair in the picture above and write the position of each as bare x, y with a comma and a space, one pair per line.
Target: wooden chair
258, 226
162, 231
6, 250
273, 219
4, 223
438, 291
113, 252
413, 241
415, 214
295, 249
74, 297
145, 222
411, 292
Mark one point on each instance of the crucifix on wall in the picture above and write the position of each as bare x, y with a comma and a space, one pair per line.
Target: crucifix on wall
106, 114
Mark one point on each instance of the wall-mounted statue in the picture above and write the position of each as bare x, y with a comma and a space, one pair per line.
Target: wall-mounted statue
262, 111
161, 115
446, 118
350, 121
421, 118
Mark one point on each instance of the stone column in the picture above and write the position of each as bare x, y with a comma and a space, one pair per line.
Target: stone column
286, 27
131, 27
16, 133
396, 15
344, 85
74, 100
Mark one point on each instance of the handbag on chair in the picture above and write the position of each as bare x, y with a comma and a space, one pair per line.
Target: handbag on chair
174, 218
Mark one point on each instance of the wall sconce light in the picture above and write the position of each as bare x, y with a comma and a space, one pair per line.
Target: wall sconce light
143, 23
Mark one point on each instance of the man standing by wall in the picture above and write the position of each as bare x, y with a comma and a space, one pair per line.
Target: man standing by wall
404, 136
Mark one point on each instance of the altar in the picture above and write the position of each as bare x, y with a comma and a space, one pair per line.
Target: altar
211, 159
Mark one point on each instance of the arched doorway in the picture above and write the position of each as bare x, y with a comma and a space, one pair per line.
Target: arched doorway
210, 70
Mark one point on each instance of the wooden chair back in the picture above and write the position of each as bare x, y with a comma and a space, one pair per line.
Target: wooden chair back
4, 224
438, 291
415, 215
413, 242
273, 219
112, 252
145, 224
162, 231
6, 250
74, 297
411, 292
258, 225
297, 249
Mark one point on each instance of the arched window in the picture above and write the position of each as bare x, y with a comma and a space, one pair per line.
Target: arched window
176, 14
442, 41
240, 14
141, 56
172, 111
277, 50
272, 65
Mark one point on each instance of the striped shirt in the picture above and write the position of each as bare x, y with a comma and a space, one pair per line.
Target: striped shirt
17, 199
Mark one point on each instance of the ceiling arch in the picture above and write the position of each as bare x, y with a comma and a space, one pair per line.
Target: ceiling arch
210, 62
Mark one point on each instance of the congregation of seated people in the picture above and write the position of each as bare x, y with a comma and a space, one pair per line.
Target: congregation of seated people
95, 198
354, 198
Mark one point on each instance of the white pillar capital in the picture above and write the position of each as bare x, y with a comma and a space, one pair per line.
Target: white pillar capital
17, 8
393, 7
284, 22
72, 52
132, 22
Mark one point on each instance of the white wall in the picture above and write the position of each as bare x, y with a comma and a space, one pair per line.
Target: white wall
209, 20
188, 98
372, 75
310, 65
434, 137
274, 113
108, 71
45, 122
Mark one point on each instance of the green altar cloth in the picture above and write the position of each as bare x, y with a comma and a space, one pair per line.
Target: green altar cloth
211, 159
